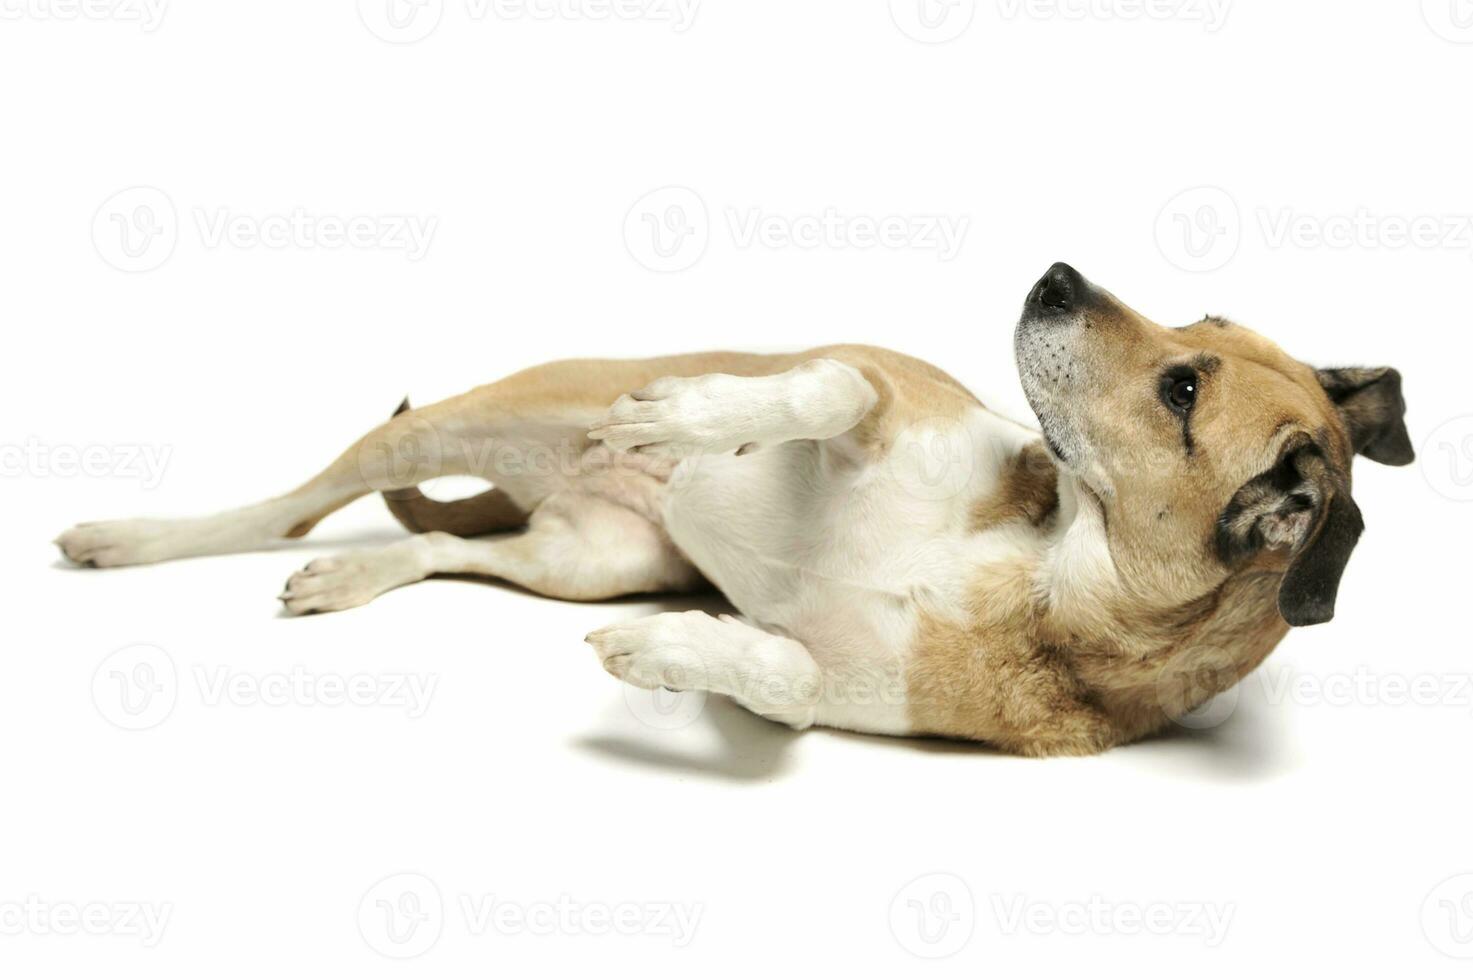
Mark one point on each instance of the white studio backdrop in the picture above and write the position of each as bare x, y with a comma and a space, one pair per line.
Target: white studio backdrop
234, 235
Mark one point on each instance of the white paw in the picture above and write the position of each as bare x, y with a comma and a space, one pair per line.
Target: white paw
350, 579
657, 651
107, 544
679, 417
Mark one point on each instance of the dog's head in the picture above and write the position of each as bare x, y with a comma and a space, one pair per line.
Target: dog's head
1204, 447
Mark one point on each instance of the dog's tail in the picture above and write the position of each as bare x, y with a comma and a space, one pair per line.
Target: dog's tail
485, 513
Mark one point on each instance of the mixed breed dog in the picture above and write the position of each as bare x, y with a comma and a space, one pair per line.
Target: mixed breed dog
902, 560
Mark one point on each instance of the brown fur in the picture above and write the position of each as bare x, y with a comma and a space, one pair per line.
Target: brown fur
1033, 673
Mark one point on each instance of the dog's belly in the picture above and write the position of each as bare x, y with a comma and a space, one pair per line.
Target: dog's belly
843, 554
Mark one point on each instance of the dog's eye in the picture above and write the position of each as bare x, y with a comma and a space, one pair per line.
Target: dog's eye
1179, 390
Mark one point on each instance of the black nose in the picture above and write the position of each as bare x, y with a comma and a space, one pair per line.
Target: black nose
1060, 290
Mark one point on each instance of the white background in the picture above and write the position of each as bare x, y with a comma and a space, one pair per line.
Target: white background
1323, 814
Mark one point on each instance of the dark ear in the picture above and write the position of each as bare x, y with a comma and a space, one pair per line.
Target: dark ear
1370, 401
1300, 507
1307, 595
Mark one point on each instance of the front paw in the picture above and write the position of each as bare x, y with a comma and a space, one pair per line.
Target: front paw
655, 652
675, 417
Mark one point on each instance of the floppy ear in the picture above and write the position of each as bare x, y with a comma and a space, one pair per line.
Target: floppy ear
1307, 595
1298, 506
1370, 402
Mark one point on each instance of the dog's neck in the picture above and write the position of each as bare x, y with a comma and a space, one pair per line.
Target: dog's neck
1145, 664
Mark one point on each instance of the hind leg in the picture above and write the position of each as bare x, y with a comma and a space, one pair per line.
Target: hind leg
523, 433
438, 440
576, 546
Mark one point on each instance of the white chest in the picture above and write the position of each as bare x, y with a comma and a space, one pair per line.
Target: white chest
807, 538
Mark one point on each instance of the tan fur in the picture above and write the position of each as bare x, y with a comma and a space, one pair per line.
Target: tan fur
1023, 672
1028, 491
1060, 615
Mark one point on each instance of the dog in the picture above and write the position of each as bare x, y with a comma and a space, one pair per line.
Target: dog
904, 561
